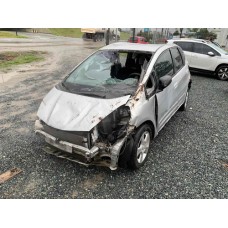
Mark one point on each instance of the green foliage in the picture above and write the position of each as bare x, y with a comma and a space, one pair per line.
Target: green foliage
203, 33
125, 35
4, 34
8, 59
176, 33
69, 32
193, 29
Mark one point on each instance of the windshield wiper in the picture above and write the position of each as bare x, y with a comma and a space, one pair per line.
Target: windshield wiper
63, 85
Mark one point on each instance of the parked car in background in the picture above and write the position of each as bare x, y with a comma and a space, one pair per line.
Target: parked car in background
109, 108
204, 56
138, 39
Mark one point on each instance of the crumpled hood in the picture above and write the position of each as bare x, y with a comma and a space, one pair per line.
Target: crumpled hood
73, 112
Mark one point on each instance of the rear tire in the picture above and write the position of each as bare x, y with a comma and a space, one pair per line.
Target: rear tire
141, 147
222, 73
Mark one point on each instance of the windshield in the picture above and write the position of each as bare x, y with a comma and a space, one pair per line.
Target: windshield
108, 74
217, 48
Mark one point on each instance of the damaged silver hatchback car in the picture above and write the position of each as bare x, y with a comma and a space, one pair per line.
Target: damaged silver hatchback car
109, 108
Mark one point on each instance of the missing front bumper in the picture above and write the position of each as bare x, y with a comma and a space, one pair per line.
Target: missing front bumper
101, 155
69, 147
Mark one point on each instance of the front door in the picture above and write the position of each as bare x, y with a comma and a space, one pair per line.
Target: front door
200, 58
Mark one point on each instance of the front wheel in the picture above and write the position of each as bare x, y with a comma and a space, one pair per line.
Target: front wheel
222, 73
141, 147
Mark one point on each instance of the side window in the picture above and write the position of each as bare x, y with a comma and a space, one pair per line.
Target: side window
186, 46
150, 85
203, 49
177, 59
199, 48
164, 65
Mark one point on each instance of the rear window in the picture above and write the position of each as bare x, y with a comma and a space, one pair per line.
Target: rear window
186, 46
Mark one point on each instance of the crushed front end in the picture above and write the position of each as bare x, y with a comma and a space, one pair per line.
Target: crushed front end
99, 146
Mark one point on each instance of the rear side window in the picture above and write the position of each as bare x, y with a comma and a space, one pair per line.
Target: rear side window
177, 59
164, 65
186, 46
203, 49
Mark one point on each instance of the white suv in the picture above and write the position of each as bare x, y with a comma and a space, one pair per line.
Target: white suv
203, 55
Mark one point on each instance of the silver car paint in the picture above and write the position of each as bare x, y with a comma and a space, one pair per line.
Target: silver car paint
60, 109
73, 112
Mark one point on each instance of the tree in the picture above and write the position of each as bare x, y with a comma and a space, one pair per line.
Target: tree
181, 30
176, 33
193, 29
203, 33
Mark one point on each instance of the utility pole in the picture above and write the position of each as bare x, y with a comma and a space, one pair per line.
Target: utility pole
116, 34
133, 37
107, 36
181, 30
167, 33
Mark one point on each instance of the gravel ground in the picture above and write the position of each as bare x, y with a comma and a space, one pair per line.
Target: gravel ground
187, 158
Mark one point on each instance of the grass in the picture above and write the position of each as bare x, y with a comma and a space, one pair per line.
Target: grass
4, 34
76, 33
69, 32
8, 59
124, 35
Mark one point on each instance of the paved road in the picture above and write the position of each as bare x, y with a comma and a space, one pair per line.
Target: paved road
186, 160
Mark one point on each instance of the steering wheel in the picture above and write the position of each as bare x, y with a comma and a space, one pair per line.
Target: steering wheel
134, 75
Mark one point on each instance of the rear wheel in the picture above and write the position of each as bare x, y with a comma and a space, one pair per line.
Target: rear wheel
183, 107
222, 73
141, 147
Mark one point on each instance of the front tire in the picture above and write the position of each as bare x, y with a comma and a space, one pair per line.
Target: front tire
222, 73
141, 147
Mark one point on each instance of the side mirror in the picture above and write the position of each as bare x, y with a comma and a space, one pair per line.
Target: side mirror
210, 53
164, 82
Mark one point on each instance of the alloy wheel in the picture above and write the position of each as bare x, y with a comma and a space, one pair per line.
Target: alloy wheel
143, 147
223, 73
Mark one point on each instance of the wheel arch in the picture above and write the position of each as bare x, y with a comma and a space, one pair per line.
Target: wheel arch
151, 124
220, 65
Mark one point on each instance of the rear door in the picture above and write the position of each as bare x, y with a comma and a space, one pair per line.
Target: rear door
180, 79
162, 67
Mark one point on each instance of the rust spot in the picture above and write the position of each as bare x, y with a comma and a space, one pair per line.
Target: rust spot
138, 92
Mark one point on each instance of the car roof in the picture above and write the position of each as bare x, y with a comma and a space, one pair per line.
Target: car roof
192, 40
127, 46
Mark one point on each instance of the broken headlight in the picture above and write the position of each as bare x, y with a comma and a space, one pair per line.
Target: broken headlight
114, 125
124, 111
